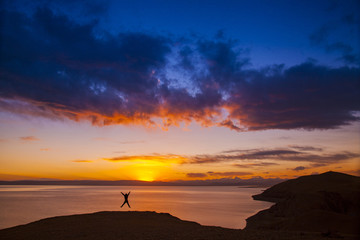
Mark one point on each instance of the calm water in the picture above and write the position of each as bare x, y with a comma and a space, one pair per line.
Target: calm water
215, 206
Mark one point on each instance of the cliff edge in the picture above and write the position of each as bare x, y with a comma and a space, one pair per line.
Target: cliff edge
328, 202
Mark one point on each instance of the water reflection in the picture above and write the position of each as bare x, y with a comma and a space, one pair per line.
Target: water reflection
216, 205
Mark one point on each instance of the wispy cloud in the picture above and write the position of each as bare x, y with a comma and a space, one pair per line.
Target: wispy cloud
229, 174
118, 142
299, 168
82, 161
44, 149
100, 139
131, 142
196, 175
218, 174
256, 165
284, 154
324, 37
154, 157
29, 139
315, 165
306, 148
253, 158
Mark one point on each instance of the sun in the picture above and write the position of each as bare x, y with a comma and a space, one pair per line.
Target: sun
146, 178
144, 172
150, 168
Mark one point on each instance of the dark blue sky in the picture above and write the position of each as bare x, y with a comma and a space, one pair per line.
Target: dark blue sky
272, 32
246, 65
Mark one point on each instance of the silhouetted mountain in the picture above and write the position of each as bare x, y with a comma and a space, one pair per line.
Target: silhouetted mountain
321, 203
255, 181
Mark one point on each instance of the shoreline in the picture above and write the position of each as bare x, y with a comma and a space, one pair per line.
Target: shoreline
309, 207
228, 214
140, 225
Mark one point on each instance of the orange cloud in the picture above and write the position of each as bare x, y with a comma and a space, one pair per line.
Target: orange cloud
162, 116
82, 161
168, 158
218, 174
229, 174
29, 138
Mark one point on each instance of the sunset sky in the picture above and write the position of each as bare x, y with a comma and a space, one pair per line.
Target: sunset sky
178, 90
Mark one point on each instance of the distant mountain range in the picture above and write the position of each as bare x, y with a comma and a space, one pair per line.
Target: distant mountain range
252, 182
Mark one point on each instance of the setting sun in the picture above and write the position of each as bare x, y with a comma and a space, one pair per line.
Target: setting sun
147, 176
144, 169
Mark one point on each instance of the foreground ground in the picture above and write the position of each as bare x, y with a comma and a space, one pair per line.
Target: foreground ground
315, 203
139, 225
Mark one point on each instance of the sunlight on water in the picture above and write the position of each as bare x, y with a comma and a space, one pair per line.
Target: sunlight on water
224, 206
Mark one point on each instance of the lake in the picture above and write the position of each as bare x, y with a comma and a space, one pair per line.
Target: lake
225, 206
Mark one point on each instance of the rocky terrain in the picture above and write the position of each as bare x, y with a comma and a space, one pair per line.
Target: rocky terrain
328, 202
137, 226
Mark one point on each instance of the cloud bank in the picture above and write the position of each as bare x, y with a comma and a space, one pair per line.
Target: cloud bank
260, 156
52, 66
248, 159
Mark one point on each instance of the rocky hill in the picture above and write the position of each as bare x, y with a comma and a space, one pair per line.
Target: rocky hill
328, 203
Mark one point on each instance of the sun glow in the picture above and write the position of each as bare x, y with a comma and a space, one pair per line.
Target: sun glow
150, 169
145, 175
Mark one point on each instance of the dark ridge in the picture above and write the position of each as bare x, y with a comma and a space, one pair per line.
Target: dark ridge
137, 226
318, 203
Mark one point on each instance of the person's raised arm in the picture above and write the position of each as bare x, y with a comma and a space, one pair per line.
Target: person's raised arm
129, 193
122, 194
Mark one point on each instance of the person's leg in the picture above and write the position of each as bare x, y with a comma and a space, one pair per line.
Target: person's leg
123, 204
128, 204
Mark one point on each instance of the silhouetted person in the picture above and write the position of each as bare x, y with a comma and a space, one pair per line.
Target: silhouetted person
126, 195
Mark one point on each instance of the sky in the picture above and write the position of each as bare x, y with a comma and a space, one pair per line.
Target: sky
178, 90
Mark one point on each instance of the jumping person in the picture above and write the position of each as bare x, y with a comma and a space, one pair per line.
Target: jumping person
126, 195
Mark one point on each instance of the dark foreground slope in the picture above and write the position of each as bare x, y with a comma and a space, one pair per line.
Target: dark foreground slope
137, 226
115, 225
329, 202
